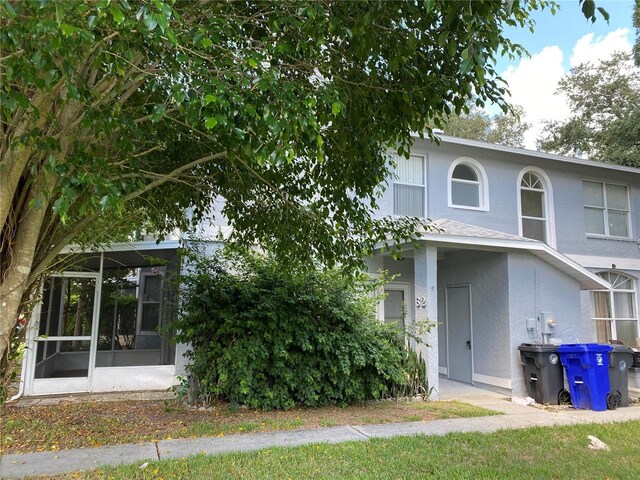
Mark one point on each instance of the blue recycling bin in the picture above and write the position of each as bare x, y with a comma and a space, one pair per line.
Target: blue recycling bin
587, 369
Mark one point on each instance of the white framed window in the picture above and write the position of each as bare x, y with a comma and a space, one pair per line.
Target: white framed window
614, 311
606, 209
150, 301
395, 307
468, 186
409, 186
535, 206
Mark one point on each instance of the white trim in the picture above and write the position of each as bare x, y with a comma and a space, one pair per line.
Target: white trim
31, 343
605, 209
126, 246
150, 377
93, 345
483, 184
614, 319
549, 216
613, 238
443, 370
491, 380
531, 153
38, 386
141, 301
405, 288
53, 386
587, 279
122, 379
72, 274
62, 338
593, 261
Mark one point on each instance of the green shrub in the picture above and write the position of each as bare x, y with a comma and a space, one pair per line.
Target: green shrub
268, 338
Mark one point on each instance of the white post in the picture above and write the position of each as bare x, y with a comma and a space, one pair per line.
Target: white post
426, 308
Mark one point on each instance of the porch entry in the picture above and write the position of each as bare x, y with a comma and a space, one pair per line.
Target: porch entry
459, 346
98, 317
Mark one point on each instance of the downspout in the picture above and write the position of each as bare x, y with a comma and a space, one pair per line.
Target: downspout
29, 339
22, 373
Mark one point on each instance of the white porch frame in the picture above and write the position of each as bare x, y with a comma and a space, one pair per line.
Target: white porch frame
98, 379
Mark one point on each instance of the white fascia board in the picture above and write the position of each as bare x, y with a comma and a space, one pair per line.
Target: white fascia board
125, 246
533, 153
588, 280
595, 261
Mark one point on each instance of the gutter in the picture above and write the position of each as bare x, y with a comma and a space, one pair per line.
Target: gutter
22, 374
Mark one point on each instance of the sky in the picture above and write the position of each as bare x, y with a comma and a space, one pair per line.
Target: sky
558, 43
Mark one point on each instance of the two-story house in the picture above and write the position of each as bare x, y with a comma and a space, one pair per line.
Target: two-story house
524, 246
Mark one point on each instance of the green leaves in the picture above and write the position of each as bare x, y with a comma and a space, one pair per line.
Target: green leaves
117, 14
210, 122
150, 21
286, 113
6, 5
270, 337
605, 120
588, 8
475, 124
429, 5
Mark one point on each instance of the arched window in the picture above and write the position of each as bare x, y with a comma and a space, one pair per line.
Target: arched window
614, 310
468, 185
534, 207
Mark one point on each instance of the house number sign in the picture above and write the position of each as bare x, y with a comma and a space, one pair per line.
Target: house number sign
421, 302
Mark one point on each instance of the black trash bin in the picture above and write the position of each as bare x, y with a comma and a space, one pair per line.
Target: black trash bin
620, 360
636, 359
543, 373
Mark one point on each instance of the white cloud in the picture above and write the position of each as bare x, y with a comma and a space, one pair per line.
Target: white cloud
589, 50
533, 82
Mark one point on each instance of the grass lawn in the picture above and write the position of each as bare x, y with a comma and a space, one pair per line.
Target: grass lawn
91, 424
536, 453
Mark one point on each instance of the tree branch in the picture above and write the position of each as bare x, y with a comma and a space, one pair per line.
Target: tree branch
169, 176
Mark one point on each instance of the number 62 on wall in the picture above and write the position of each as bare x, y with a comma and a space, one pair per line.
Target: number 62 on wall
421, 302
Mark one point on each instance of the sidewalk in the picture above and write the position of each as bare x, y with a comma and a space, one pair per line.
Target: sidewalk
515, 416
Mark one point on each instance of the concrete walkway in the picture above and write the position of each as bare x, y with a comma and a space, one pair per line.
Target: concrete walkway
515, 416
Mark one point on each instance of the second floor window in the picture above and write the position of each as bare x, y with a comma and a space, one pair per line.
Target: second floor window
465, 187
409, 187
606, 209
533, 213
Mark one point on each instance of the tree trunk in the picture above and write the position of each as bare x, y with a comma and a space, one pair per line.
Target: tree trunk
14, 281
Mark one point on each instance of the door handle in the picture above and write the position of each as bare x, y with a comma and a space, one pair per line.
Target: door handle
468, 344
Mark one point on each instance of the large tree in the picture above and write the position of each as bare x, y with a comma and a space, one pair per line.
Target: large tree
604, 124
113, 110
501, 128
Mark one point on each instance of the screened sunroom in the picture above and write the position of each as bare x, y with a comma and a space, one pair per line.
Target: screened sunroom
101, 322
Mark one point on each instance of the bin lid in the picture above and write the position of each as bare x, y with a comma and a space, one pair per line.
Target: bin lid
584, 347
537, 347
623, 349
